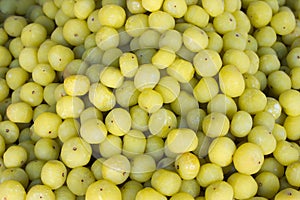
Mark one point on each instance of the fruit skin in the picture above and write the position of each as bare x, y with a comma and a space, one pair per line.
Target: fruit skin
75, 152
289, 100
14, 115
12, 189
261, 136
181, 140
286, 153
149, 194
187, 166
219, 190
51, 169
221, 151
116, 169
259, 13
248, 158
209, 173
231, 81
292, 174
252, 101
287, 194
182, 195
45, 128
241, 124
244, 186
212, 85
268, 183
40, 191
166, 182
215, 124
214, 7
79, 179
112, 15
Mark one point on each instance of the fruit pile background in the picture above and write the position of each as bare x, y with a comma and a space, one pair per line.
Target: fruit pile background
149, 99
